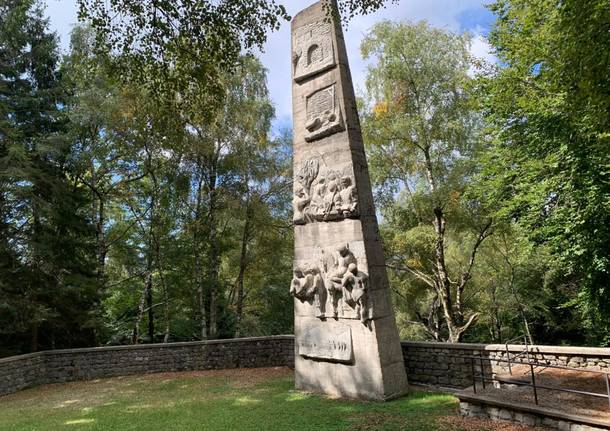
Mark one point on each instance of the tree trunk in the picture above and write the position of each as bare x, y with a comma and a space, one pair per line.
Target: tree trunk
452, 313
164, 291
243, 263
214, 258
149, 304
101, 239
34, 337
135, 338
199, 282
520, 305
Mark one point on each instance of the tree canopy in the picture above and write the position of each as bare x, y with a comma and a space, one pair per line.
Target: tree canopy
422, 138
145, 194
548, 108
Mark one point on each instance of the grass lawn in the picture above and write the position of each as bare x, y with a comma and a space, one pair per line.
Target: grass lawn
260, 399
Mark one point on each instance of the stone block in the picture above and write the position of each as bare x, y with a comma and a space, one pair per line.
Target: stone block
505, 414
580, 427
525, 419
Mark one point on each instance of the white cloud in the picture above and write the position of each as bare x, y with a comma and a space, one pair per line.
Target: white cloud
276, 56
481, 49
63, 18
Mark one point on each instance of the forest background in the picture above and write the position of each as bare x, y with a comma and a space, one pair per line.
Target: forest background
145, 198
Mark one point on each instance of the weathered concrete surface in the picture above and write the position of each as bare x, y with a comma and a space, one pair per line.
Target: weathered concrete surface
340, 277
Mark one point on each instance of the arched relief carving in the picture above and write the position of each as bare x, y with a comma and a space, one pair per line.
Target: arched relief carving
314, 55
312, 50
334, 274
323, 194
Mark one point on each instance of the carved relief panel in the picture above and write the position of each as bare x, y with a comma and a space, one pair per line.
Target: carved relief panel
323, 194
333, 276
312, 50
331, 343
323, 114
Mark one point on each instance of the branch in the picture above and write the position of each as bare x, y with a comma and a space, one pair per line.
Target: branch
485, 232
420, 275
467, 325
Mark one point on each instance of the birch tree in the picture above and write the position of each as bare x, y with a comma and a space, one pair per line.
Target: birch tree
421, 133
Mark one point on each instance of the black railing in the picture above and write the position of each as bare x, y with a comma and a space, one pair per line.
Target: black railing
532, 383
521, 354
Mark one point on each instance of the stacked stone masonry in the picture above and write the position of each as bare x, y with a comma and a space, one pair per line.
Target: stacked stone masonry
531, 419
445, 365
434, 364
56, 366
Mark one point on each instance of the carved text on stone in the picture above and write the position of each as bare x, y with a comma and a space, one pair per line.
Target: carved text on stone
324, 116
329, 342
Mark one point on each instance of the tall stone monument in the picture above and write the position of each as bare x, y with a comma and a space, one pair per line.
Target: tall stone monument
347, 342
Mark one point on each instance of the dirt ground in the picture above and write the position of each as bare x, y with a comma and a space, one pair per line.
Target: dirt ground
577, 404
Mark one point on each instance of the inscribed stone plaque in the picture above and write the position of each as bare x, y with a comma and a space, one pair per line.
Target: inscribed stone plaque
312, 50
333, 343
323, 114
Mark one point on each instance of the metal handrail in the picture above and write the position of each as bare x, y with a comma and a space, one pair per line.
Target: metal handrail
526, 351
605, 375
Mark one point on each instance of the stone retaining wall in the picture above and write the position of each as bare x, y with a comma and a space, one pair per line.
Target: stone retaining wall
442, 364
531, 416
54, 366
437, 364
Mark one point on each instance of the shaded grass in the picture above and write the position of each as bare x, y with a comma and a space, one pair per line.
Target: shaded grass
262, 399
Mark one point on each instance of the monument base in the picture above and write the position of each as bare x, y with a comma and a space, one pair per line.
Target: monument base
365, 375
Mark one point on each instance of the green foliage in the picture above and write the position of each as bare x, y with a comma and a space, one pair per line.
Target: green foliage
173, 46
47, 288
143, 198
183, 49
422, 137
547, 165
125, 214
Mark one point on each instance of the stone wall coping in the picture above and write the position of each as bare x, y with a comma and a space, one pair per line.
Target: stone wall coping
560, 350
531, 408
21, 357
145, 346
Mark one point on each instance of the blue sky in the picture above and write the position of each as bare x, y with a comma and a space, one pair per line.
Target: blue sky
455, 15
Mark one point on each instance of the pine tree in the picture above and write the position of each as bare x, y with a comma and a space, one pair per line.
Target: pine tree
45, 282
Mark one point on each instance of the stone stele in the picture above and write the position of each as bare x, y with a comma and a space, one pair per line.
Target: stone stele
347, 342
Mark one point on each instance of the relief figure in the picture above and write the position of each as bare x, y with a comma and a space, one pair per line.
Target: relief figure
307, 285
334, 275
322, 194
323, 114
342, 258
355, 291
312, 50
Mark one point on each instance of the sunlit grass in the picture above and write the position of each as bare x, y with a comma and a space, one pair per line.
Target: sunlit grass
228, 400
